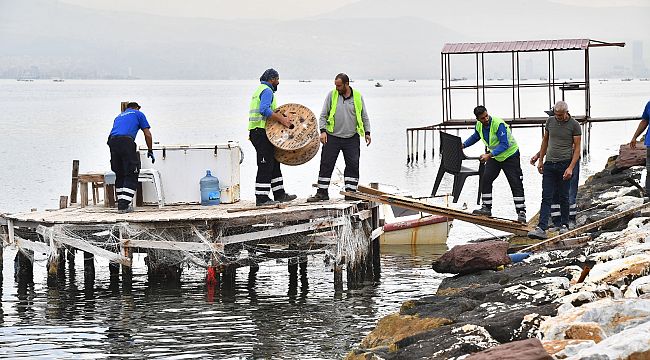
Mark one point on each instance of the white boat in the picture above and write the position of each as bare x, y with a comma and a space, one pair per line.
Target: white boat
416, 228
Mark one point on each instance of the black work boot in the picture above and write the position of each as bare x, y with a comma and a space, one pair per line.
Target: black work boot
264, 201
320, 196
484, 210
284, 197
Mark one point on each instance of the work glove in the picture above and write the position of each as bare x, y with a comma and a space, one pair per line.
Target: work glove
150, 155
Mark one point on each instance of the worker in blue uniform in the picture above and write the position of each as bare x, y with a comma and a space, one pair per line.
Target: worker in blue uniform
125, 161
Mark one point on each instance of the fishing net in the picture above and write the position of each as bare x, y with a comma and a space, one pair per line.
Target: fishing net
344, 242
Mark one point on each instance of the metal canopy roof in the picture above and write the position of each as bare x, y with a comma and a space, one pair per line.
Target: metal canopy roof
524, 46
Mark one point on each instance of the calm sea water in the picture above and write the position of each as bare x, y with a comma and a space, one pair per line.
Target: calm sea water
45, 125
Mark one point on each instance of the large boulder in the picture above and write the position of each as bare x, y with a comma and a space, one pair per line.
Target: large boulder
463, 259
530, 349
628, 157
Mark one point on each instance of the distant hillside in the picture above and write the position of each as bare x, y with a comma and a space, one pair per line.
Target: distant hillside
370, 38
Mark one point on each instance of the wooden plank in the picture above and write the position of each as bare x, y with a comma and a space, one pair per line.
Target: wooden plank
276, 206
582, 229
173, 245
85, 246
10, 231
38, 247
286, 230
75, 181
510, 226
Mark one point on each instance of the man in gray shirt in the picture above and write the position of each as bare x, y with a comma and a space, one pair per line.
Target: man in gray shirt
342, 123
561, 147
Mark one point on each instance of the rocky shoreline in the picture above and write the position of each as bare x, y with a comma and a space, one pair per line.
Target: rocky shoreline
591, 301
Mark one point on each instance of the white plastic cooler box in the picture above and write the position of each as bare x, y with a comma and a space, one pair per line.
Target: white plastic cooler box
181, 168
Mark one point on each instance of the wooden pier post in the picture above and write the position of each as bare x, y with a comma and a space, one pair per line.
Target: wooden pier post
23, 267
53, 267
376, 252
338, 278
293, 276
89, 270
303, 272
228, 276
61, 263
70, 255
127, 271
114, 270
75, 181
159, 272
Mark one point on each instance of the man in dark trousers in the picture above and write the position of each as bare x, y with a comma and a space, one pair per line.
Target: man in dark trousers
262, 108
558, 156
503, 154
342, 123
125, 161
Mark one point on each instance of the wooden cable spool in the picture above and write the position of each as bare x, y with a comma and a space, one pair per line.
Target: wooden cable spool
298, 143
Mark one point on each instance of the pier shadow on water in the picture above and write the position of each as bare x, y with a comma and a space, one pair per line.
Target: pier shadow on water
276, 310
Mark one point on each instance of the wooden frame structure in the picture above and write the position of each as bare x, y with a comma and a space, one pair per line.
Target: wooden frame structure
514, 48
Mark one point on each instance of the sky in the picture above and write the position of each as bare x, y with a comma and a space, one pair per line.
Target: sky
219, 39
276, 9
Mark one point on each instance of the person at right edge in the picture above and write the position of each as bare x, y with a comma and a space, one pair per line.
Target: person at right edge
645, 118
342, 123
503, 155
262, 108
558, 156
125, 161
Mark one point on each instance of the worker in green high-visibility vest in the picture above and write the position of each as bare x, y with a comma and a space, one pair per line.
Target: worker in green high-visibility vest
503, 154
343, 122
262, 106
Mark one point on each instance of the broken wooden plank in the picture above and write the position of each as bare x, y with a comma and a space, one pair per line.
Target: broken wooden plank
286, 230
582, 229
510, 226
48, 233
173, 245
276, 206
37, 247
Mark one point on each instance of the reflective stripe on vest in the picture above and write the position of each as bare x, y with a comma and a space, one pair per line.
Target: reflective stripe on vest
255, 118
358, 106
494, 140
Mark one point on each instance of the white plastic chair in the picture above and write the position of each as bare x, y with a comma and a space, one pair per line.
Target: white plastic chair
153, 176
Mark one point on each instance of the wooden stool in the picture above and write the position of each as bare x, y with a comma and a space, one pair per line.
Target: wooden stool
96, 181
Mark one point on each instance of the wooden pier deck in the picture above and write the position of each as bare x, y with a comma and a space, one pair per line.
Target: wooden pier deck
221, 238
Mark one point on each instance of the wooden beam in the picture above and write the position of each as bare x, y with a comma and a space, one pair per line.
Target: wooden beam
85, 246
369, 194
75, 181
286, 230
582, 229
37, 247
173, 245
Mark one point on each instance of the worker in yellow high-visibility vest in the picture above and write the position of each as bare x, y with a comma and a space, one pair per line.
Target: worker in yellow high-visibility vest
262, 106
343, 122
503, 154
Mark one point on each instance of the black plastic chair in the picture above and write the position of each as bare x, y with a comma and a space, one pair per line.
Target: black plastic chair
452, 162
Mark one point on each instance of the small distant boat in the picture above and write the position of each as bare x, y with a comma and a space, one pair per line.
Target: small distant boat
305, 81
378, 85
26, 80
371, 79
58, 80
412, 80
603, 80
458, 79
391, 79
499, 79
626, 79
